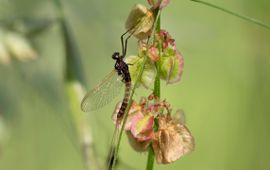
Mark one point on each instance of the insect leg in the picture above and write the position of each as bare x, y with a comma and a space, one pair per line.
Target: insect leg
124, 45
122, 41
126, 41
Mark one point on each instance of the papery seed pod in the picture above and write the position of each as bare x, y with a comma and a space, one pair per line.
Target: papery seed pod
172, 65
138, 127
140, 21
171, 141
149, 75
153, 53
142, 126
166, 40
20, 47
139, 146
134, 110
149, 72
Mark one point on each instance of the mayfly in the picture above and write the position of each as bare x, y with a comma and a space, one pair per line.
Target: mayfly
104, 92
139, 23
107, 89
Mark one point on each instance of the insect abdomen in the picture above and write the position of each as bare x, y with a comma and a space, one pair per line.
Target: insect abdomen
125, 100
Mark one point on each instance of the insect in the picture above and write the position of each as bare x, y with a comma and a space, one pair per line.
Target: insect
104, 92
110, 87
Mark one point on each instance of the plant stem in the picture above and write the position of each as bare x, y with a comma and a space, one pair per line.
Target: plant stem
150, 159
157, 79
249, 19
156, 92
132, 93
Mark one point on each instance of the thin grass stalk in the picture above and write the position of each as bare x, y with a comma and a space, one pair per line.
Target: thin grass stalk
156, 92
246, 18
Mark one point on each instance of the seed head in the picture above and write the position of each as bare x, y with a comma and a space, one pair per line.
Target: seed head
172, 140
140, 21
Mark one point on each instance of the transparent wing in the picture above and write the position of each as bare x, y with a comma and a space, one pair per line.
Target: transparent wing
111, 155
103, 93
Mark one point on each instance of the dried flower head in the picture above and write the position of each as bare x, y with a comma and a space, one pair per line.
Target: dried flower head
166, 40
142, 126
153, 53
163, 51
170, 137
172, 140
172, 66
138, 127
139, 123
171, 60
139, 146
140, 21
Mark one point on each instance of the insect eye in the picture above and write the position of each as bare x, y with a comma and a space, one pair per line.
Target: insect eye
115, 55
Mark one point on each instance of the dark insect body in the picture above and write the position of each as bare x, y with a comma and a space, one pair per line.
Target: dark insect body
110, 87
103, 93
122, 69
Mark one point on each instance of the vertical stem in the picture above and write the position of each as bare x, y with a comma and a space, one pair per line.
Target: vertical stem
157, 79
150, 159
156, 92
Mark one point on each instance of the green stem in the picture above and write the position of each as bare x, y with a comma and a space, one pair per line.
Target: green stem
132, 93
150, 159
156, 92
157, 79
249, 19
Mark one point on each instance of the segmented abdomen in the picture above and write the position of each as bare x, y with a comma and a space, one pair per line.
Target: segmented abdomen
125, 100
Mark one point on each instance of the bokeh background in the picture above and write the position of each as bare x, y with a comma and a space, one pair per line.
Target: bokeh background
225, 89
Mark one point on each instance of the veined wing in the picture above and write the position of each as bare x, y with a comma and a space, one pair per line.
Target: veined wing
103, 93
111, 155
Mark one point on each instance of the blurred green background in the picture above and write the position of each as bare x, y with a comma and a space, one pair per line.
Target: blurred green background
225, 89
